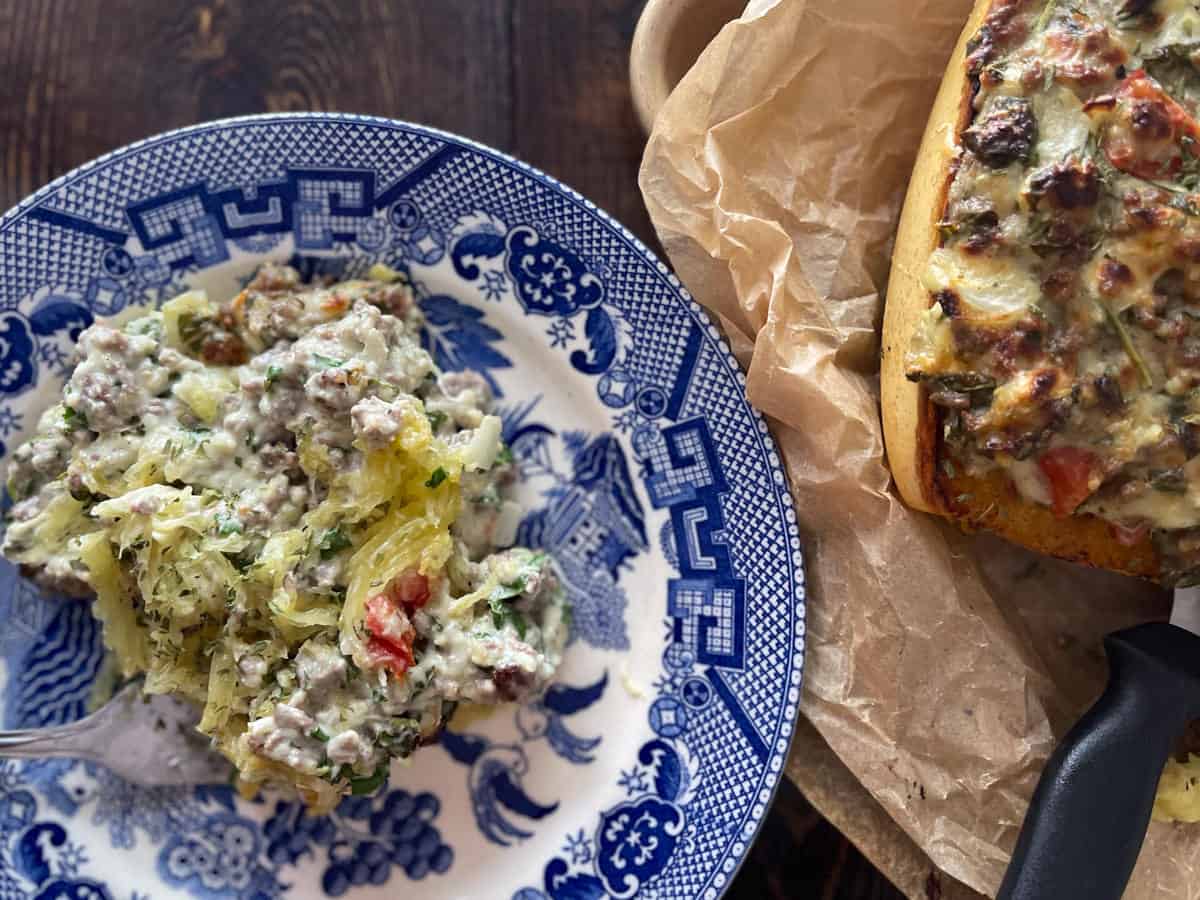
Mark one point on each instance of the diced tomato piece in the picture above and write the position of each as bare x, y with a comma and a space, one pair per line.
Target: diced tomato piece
1140, 86
395, 656
1146, 138
385, 619
410, 589
1069, 471
391, 633
335, 303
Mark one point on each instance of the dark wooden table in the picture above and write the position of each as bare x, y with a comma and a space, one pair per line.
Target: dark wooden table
545, 80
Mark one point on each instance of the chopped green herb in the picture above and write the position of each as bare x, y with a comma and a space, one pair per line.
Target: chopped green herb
436, 417
436, 477
505, 456
1189, 171
1044, 19
502, 612
332, 542
507, 591
1127, 342
327, 362
227, 524
371, 783
273, 375
318, 734
72, 418
966, 382
969, 225
1048, 78
499, 610
1093, 149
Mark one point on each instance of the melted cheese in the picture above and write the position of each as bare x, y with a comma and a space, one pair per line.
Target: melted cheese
1029, 481
992, 286
1063, 126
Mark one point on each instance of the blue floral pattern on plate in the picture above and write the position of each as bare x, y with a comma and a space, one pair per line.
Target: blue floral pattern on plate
646, 769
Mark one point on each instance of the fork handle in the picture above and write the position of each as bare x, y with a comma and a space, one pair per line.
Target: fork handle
61, 742
81, 739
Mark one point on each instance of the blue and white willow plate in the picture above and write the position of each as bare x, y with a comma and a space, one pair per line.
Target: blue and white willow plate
648, 767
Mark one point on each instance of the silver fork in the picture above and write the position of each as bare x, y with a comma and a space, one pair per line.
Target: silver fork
147, 739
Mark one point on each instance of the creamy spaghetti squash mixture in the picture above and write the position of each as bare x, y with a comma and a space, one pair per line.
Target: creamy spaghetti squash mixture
286, 513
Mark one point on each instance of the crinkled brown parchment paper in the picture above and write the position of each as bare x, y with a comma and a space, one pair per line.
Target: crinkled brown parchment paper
940, 667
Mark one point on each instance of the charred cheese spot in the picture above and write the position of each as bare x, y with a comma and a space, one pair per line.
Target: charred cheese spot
1114, 276
1069, 185
1107, 391
1004, 133
1003, 28
949, 302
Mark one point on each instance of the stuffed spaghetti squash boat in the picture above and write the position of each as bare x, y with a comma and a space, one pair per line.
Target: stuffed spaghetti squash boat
288, 515
1041, 370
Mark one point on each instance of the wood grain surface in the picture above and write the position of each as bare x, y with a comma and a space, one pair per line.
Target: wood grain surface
545, 80
542, 79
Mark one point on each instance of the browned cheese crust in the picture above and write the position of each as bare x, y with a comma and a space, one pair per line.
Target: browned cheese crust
917, 454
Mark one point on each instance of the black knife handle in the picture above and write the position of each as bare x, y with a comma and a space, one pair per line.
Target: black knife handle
1089, 814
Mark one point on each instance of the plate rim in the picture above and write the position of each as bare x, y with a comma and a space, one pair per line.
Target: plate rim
789, 714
